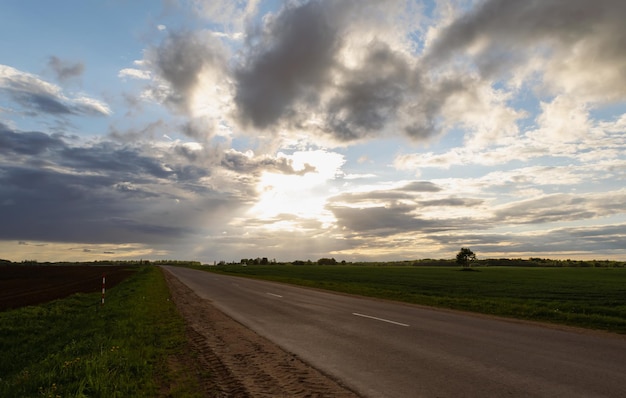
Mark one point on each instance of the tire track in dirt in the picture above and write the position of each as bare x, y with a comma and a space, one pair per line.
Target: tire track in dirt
241, 362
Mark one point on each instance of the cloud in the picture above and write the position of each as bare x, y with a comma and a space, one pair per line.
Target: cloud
105, 192
451, 202
371, 95
417, 207
377, 221
564, 120
569, 242
340, 72
384, 221
564, 129
368, 83
537, 176
284, 61
134, 74
421, 186
562, 208
184, 60
333, 70
65, 70
577, 45
229, 15
242, 159
37, 96
28, 143
247, 164
409, 192
150, 131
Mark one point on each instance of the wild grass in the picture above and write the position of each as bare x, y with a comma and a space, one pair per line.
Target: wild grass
586, 297
76, 348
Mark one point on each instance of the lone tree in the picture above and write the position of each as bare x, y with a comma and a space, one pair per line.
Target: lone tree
465, 257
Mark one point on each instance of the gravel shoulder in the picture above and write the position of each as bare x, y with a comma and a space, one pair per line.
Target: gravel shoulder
239, 362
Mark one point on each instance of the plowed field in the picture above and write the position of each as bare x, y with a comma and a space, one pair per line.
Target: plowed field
22, 285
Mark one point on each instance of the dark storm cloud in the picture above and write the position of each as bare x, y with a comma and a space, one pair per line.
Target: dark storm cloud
65, 70
27, 143
110, 158
286, 60
129, 163
181, 59
102, 192
46, 205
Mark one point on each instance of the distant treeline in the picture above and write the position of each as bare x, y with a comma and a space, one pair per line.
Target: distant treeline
490, 262
546, 262
105, 262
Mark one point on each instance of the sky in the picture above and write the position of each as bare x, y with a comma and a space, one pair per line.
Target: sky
363, 130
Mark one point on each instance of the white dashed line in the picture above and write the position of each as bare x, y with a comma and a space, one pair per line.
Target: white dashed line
275, 295
380, 319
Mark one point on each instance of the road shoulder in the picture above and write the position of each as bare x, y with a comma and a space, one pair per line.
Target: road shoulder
238, 361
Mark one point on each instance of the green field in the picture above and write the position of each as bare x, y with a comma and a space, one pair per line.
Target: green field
75, 348
579, 296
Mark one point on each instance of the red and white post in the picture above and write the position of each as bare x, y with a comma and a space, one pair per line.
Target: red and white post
103, 288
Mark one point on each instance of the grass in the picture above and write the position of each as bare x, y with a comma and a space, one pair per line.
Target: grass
76, 348
592, 298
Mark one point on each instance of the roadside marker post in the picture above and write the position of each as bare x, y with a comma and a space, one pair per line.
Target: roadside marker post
103, 288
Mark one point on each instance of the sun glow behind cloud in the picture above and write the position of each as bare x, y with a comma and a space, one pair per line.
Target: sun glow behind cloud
300, 195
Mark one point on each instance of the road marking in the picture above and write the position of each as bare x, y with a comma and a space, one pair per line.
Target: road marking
380, 319
275, 295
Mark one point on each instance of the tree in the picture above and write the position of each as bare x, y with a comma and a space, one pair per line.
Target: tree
465, 257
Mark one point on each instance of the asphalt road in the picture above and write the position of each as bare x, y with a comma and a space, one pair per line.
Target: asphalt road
387, 349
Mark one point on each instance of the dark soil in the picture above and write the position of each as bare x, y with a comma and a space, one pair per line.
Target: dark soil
22, 285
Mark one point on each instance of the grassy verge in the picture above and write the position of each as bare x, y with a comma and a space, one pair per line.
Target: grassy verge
76, 348
593, 298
